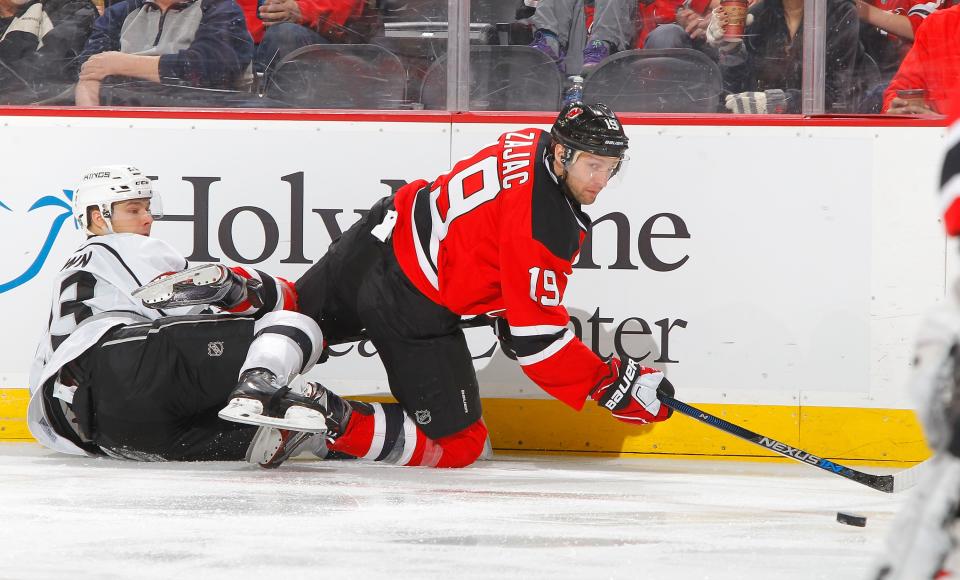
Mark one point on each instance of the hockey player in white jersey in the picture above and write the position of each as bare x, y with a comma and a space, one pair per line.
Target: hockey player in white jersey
113, 377
923, 539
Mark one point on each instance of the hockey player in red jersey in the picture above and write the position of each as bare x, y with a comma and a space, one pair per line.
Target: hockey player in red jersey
497, 234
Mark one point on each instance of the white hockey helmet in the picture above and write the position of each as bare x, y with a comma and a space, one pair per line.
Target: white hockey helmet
101, 187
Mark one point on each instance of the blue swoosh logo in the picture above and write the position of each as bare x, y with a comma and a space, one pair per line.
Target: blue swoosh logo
37, 265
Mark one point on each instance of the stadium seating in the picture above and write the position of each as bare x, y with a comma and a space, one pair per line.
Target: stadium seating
339, 76
502, 78
669, 80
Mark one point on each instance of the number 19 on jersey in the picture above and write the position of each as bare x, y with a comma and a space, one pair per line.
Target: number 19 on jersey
543, 289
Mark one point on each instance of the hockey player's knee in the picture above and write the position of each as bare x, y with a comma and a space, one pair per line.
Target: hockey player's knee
302, 329
464, 447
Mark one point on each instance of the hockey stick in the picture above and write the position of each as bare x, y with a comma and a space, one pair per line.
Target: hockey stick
887, 483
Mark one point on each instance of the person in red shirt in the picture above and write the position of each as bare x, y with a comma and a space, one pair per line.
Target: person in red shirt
676, 24
933, 65
497, 234
279, 27
888, 27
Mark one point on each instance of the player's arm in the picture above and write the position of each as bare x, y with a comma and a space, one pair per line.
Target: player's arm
535, 331
887, 20
74, 300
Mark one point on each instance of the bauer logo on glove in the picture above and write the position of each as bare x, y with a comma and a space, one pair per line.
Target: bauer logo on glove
633, 396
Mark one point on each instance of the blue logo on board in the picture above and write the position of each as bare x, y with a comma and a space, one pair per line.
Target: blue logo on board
34, 268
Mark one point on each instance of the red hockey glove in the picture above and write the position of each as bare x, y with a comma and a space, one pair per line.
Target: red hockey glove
632, 397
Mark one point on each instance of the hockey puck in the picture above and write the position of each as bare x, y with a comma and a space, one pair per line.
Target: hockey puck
852, 519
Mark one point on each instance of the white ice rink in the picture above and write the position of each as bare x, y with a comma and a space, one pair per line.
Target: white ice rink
510, 517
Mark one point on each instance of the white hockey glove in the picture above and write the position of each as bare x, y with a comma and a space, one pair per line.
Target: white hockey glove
773, 101
714, 33
208, 284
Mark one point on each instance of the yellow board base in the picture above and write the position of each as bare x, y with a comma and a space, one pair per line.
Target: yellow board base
873, 435
13, 415
880, 436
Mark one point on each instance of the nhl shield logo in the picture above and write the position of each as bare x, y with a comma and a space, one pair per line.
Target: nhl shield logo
423, 417
215, 348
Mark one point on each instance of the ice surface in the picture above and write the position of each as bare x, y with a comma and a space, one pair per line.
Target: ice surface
510, 517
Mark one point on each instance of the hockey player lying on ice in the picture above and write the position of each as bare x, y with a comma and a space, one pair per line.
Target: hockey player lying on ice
113, 377
498, 233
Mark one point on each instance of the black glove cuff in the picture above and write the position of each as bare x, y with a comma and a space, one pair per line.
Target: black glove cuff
502, 329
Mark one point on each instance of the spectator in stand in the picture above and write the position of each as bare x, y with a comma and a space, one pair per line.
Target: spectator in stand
678, 26
196, 43
611, 29
282, 26
888, 27
39, 44
933, 65
762, 71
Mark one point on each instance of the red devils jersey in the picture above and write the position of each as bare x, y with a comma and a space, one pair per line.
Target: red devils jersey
496, 233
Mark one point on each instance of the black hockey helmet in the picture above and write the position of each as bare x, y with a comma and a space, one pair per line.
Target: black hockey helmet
591, 128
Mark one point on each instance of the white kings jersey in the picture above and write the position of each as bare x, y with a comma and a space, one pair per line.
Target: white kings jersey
92, 293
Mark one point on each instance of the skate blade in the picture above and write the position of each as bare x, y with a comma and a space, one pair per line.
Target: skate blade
270, 448
264, 447
163, 289
250, 412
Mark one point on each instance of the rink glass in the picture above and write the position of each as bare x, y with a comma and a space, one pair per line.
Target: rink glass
403, 64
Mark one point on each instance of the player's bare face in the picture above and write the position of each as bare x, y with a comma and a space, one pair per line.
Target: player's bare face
132, 217
588, 174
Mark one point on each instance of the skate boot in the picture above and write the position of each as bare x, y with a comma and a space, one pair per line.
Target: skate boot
272, 446
259, 400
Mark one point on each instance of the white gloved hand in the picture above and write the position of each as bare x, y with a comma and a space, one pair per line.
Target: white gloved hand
715, 32
772, 101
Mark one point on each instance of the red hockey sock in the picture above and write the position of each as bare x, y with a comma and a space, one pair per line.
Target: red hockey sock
389, 434
357, 437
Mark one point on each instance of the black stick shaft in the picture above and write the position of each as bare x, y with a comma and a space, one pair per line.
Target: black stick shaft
879, 482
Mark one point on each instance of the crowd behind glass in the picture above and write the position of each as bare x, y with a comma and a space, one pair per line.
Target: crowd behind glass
679, 56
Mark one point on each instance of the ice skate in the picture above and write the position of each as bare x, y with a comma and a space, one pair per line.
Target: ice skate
259, 400
198, 285
271, 446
